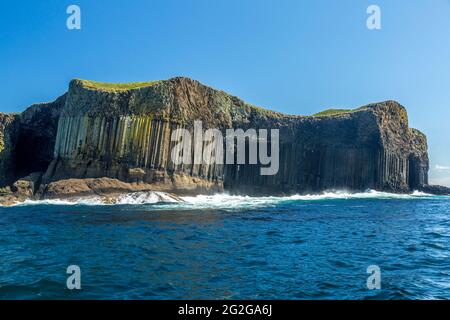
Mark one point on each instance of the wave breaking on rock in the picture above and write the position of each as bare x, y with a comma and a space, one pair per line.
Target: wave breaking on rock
220, 201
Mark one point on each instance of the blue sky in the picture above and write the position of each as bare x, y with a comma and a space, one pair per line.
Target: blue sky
294, 56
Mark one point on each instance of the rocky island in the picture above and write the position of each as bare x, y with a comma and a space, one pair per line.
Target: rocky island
102, 139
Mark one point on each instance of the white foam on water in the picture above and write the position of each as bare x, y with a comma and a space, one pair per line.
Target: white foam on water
134, 198
225, 201
86, 201
231, 201
145, 198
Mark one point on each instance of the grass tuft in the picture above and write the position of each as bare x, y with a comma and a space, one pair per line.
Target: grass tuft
115, 86
332, 112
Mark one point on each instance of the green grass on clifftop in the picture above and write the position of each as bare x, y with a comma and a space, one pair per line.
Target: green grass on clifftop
332, 112
116, 86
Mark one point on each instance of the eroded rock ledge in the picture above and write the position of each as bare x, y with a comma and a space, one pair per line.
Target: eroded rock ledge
106, 138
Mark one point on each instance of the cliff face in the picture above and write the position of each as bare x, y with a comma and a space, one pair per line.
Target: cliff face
35, 144
8, 132
369, 148
27, 140
124, 133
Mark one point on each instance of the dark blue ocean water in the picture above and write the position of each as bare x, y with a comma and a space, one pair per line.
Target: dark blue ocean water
229, 248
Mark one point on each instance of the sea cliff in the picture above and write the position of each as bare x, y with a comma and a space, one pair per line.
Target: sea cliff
106, 139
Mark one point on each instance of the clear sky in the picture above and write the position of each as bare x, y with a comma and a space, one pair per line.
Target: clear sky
294, 56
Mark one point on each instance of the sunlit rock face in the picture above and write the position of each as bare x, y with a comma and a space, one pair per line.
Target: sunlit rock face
107, 132
124, 132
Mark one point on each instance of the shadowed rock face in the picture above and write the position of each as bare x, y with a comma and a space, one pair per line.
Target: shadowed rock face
95, 132
8, 133
36, 136
370, 148
27, 140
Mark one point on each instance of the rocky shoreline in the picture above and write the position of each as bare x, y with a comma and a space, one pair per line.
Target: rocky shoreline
105, 190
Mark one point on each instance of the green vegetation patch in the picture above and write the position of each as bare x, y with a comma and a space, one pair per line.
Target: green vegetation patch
332, 112
336, 112
116, 86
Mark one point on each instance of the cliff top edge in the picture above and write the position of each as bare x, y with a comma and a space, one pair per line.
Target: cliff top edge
128, 86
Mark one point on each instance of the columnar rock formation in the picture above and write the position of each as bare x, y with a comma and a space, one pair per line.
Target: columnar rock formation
124, 132
368, 148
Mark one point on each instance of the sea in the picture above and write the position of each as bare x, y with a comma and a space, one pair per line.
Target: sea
149, 246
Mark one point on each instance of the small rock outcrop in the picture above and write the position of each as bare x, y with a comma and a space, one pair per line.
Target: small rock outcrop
123, 133
27, 187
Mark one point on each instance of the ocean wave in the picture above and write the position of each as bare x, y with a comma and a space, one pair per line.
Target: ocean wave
134, 198
230, 201
224, 200
146, 198
87, 201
